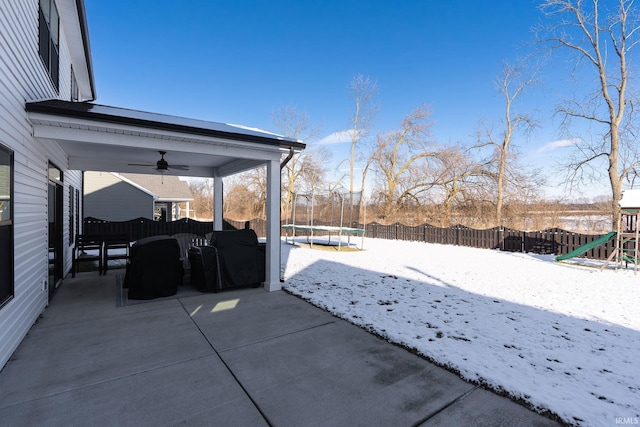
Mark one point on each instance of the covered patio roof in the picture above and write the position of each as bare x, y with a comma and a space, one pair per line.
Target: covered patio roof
109, 139
103, 138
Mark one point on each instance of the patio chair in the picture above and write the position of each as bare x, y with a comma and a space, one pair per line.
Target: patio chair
210, 236
88, 248
116, 247
186, 241
154, 269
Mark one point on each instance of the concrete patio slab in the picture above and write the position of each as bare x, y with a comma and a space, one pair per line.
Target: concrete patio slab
57, 358
197, 392
364, 381
237, 318
238, 358
485, 409
71, 305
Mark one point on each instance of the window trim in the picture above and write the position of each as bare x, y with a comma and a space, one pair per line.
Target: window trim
48, 42
4, 299
72, 218
77, 198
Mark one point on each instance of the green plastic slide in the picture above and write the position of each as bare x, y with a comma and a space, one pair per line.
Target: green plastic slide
584, 248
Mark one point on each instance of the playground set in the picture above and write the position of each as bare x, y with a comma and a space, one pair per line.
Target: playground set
626, 253
319, 217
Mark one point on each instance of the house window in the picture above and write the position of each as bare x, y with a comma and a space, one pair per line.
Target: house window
6, 225
49, 32
55, 174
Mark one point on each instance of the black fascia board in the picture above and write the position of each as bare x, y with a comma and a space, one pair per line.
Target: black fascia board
116, 115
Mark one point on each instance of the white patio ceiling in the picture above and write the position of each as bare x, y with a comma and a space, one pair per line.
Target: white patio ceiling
101, 138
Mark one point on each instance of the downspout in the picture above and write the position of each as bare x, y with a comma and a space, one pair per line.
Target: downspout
282, 165
287, 159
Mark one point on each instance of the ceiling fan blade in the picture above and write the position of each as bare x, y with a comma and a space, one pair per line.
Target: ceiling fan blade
141, 164
179, 167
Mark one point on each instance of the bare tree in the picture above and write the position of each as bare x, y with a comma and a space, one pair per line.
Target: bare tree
395, 155
297, 125
603, 40
461, 179
313, 170
245, 194
363, 91
257, 182
202, 191
241, 200
512, 82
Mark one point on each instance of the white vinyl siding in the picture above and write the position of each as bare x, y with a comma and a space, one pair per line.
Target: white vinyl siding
23, 77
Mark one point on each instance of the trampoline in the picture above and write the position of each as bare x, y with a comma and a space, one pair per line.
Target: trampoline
324, 219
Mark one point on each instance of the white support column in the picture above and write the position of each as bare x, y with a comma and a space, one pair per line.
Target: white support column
217, 203
272, 267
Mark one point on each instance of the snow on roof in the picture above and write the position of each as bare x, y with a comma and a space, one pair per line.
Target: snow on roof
630, 199
117, 115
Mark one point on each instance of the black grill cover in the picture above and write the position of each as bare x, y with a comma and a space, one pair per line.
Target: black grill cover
204, 268
154, 269
238, 255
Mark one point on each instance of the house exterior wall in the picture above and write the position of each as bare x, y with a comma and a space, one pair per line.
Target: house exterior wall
23, 77
108, 197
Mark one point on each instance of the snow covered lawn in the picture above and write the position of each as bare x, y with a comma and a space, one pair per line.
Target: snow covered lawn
561, 338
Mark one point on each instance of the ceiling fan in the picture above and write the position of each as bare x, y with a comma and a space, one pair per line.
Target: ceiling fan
162, 165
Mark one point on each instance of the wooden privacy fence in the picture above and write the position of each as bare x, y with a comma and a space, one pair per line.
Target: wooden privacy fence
552, 241
143, 227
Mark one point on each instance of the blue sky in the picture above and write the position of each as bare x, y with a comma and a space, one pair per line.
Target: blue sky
238, 61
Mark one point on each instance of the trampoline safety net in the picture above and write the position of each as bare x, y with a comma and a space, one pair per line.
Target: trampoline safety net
325, 214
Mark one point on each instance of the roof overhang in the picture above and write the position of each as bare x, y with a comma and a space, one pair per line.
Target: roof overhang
73, 16
173, 199
135, 185
102, 138
630, 199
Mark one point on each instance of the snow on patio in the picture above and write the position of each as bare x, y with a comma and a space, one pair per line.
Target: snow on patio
561, 338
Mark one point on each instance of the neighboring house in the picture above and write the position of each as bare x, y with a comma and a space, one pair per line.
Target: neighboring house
50, 132
112, 196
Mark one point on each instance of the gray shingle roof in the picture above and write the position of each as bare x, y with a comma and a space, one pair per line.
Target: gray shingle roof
167, 187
